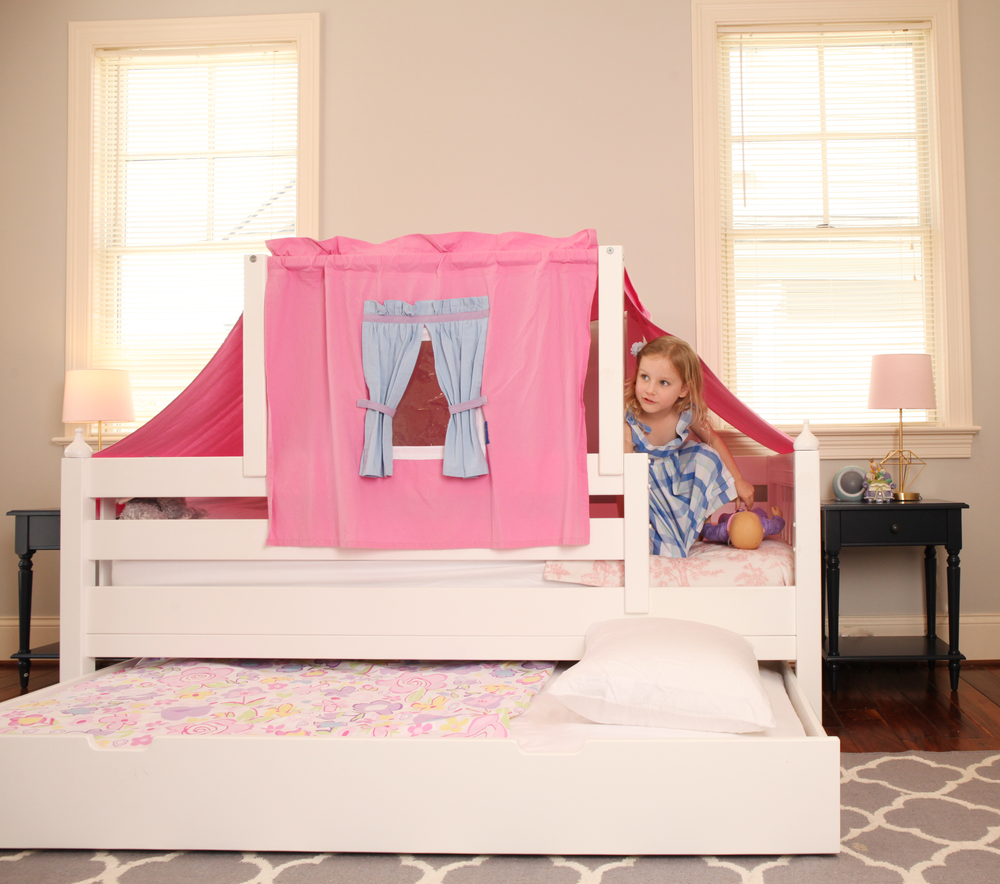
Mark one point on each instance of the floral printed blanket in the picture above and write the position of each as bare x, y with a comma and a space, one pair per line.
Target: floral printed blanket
155, 696
707, 564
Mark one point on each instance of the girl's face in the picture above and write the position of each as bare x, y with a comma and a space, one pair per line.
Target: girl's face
658, 385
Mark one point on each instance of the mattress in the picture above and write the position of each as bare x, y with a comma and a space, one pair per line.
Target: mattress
130, 706
349, 573
707, 564
710, 564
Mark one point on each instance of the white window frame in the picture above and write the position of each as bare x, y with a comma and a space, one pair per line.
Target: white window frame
953, 432
85, 38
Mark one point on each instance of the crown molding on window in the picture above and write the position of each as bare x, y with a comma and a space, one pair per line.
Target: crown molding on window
840, 442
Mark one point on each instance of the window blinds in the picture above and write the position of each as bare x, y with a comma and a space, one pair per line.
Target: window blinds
194, 166
827, 240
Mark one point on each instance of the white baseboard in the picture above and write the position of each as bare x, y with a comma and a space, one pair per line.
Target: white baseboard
979, 634
44, 631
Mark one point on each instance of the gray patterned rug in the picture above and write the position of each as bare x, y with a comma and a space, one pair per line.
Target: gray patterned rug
911, 818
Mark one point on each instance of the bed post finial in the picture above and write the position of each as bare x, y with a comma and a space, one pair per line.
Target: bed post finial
806, 440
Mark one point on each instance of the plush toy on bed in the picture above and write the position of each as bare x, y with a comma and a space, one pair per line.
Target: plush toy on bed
159, 508
745, 529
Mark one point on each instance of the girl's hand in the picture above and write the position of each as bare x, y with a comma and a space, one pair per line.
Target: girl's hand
744, 491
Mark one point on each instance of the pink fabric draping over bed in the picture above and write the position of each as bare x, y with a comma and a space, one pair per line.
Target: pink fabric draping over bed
206, 419
540, 292
718, 397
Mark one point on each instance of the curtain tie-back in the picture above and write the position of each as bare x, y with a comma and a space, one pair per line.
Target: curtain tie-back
377, 406
467, 405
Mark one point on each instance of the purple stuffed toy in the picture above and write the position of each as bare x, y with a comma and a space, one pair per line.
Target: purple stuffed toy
745, 529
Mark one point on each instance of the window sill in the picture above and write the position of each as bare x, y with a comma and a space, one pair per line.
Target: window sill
845, 442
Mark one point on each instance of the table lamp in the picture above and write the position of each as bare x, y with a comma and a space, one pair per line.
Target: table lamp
97, 395
902, 380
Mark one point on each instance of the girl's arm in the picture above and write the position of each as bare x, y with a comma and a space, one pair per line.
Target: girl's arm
744, 489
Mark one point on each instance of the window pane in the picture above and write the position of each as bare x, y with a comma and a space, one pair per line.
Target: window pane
850, 71
165, 201
874, 183
783, 184
171, 315
826, 203
765, 99
195, 165
253, 198
166, 108
256, 107
810, 315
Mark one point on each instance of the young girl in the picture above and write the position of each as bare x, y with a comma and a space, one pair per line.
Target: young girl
691, 472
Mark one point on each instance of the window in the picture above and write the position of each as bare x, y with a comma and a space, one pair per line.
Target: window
836, 189
194, 143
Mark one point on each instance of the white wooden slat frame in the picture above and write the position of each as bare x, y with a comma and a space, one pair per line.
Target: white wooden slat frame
745, 796
611, 346
109, 620
754, 795
124, 620
254, 387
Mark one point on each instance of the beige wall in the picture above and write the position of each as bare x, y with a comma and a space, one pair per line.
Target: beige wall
539, 115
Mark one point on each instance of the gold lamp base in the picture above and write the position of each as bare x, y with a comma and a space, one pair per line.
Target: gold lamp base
907, 466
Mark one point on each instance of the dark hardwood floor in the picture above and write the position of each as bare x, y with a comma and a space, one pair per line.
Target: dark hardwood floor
43, 674
892, 707
876, 708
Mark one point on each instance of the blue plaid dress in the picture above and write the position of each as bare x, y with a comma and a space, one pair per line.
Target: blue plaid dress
687, 483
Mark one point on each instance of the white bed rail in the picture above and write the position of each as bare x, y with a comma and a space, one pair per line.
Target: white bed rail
99, 619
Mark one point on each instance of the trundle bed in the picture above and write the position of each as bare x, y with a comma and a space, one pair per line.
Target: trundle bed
174, 589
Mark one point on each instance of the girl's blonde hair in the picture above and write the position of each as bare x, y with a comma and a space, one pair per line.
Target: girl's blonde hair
688, 366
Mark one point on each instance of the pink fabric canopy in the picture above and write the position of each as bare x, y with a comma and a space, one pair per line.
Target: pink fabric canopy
326, 389
718, 397
206, 419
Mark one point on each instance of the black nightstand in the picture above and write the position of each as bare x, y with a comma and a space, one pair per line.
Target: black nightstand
33, 530
926, 523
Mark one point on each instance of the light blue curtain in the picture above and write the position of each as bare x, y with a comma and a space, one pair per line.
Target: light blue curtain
459, 349
389, 351
391, 334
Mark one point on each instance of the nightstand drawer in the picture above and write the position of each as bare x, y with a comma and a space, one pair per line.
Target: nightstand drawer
895, 526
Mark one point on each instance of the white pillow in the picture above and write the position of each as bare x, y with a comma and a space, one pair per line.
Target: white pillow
655, 672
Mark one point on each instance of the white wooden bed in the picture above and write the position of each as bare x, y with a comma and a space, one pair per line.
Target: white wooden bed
746, 795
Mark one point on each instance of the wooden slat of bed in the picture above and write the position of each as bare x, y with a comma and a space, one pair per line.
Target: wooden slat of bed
245, 539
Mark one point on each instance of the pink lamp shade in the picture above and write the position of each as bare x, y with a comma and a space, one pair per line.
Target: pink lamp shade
901, 380
97, 394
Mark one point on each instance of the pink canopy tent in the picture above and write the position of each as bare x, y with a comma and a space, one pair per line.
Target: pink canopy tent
206, 419
718, 397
